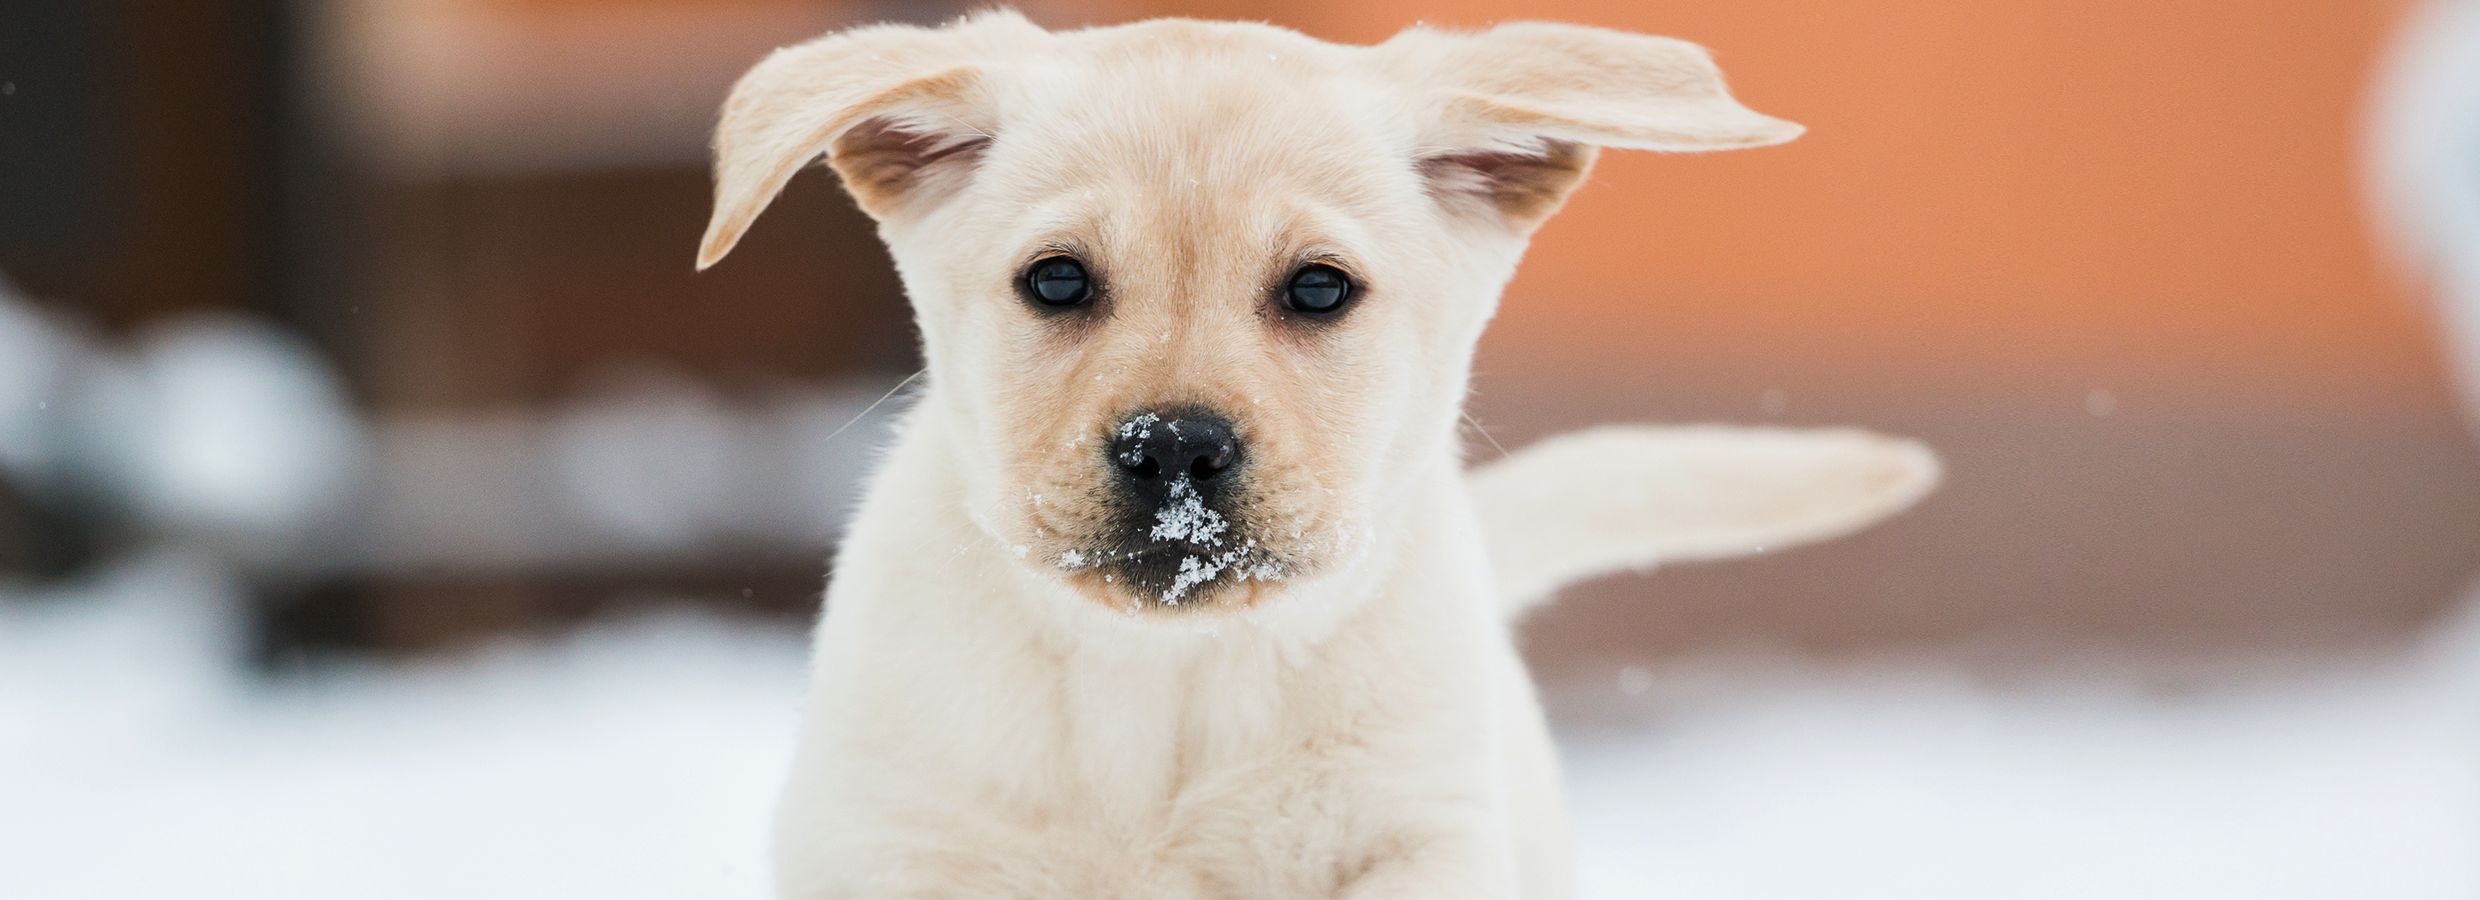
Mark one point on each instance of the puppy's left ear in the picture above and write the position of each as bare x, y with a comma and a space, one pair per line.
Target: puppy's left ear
1513, 114
901, 113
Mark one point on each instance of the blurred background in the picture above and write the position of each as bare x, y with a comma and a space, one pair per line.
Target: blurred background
387, 510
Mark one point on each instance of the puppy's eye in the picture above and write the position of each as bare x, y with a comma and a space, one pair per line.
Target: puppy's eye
1317, 290
1058, 281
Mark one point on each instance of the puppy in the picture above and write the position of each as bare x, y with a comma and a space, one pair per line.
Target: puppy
1173, 584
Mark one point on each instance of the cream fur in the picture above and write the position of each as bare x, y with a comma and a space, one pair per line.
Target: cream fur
1617, 498
1342, 712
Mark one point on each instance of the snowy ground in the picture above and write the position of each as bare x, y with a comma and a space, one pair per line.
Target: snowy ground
636, 759
2333, 780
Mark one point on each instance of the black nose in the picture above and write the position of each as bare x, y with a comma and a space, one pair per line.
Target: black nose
1154, 450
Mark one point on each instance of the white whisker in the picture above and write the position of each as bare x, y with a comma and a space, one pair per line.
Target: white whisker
865, 411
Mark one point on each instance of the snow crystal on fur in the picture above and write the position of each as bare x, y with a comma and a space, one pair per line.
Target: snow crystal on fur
1140, 428
1186, 518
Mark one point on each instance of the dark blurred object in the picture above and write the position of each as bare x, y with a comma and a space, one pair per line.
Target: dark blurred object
141, 152
38, 540
536, 171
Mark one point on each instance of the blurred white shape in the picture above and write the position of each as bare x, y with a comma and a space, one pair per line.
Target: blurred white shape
233, 435
227, 426
652, 470
2424, 162
652, 462
222, 429
37, 353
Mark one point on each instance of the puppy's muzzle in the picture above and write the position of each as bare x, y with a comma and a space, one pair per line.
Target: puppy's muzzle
1158, 454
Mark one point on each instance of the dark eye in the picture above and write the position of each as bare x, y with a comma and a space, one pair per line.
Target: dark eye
1058, 281
1317, 290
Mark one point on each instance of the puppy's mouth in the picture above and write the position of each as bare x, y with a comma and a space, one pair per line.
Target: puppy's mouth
1185, 555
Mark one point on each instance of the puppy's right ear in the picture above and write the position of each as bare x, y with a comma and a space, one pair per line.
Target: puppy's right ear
900, 111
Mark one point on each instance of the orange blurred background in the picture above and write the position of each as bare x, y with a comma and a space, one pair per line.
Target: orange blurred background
2079, 188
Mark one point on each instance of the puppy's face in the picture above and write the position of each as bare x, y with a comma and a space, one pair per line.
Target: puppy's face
1199, 299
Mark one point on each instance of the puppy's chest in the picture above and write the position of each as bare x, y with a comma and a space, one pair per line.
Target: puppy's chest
1227, 789
1265, 816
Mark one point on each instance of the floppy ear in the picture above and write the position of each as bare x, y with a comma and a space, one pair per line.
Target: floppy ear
1627, 497
1515, 112
900, 111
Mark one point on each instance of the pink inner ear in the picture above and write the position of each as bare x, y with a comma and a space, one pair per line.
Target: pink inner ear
1521, 186
883, 160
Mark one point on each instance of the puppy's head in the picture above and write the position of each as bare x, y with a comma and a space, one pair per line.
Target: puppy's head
1199, 299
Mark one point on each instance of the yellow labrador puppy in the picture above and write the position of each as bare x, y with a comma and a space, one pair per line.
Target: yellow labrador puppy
1174, 584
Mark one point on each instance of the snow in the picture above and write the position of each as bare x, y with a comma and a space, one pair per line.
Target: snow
635, 759
1184, 517
638, 759
1138, 428
1193, 571
2337, 779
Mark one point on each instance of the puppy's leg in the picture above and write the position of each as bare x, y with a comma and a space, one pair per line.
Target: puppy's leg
1465, 865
